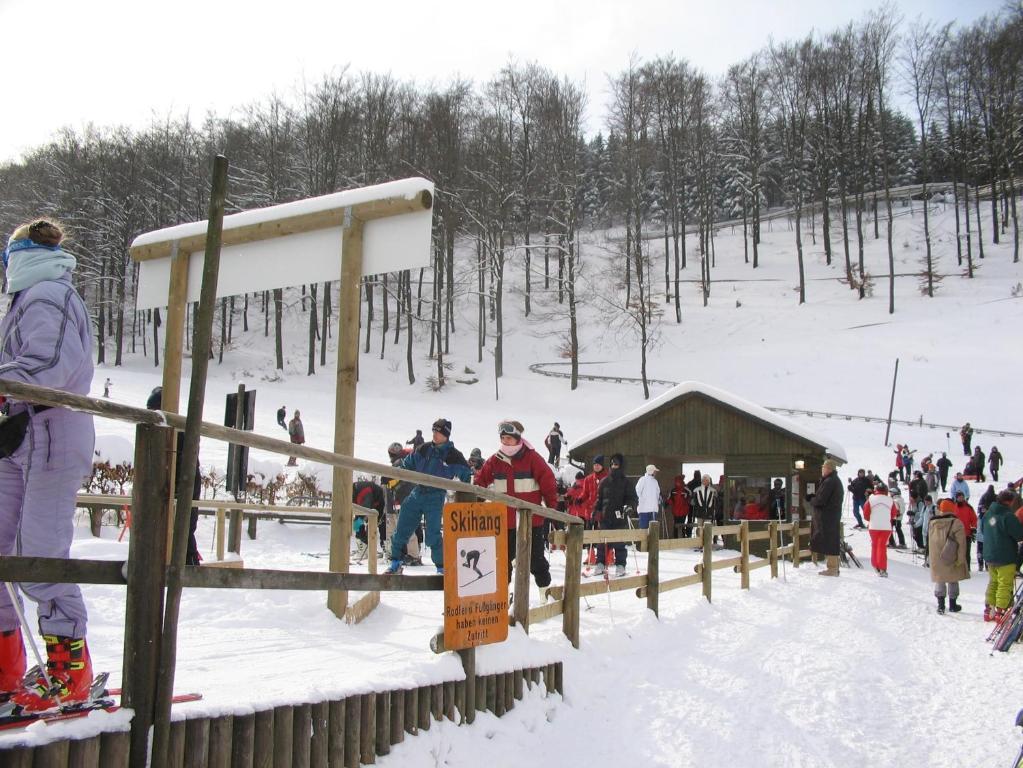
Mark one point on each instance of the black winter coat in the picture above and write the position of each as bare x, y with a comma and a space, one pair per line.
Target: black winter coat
825, 534
860, 487
614, 494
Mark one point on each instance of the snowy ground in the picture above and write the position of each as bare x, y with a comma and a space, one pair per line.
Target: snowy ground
800, 671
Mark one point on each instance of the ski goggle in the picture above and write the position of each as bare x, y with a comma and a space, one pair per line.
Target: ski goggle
507, 428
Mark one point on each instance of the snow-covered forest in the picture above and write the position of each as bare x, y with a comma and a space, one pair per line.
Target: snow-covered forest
808, 128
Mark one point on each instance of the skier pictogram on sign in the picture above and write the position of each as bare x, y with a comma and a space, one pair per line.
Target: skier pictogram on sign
477, 566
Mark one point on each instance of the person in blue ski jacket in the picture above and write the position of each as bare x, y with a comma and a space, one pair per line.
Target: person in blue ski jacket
959, 485
439, 458
44, 340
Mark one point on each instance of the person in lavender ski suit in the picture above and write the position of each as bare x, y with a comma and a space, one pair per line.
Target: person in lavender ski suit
44, 340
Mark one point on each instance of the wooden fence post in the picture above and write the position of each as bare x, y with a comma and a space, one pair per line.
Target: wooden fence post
795, 543
373, 539
573, 578
653, 544
772, 543
523, 552
708, 557
468, 657
201, 341
744, 553
143, 614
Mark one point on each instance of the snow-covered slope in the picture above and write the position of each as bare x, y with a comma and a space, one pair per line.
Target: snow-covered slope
849, 672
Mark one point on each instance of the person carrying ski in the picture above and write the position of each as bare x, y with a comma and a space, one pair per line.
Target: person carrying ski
616, 498
994, 462
518, 470
554, 440
1002, 534
948, 556
282, 414
825, 533
648, 491
45, 339
966, 435
879, 512
296, 433
439, 458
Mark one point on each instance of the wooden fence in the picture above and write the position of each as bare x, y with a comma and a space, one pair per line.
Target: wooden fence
225, 741
329, 734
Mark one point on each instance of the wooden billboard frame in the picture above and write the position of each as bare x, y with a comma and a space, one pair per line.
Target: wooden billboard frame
352, 219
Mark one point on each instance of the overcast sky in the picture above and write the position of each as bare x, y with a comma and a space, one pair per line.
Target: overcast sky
112, 62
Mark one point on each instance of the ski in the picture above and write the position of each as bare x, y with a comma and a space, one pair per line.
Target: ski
474, 580
81, 709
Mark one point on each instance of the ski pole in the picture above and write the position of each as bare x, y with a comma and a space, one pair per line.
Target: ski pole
30, 638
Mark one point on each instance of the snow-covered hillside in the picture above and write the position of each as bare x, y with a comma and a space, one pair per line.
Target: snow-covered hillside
795, 672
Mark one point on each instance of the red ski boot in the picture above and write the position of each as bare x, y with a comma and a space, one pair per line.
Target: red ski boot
12, 662
70, 670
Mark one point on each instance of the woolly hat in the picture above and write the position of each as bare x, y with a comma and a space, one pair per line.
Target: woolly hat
155, 400
599, 459
947, 506
443, 426
617, 458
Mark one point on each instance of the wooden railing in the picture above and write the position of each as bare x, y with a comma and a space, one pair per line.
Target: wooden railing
145, 662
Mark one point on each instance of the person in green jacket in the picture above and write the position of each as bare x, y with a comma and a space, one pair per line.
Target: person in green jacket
1002, 533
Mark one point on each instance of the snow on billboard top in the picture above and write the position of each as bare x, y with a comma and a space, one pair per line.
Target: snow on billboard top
727, 398
389, 245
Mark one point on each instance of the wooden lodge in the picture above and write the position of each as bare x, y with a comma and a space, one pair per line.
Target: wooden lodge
694, 423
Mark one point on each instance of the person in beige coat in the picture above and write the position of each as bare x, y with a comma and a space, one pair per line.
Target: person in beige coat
947, 552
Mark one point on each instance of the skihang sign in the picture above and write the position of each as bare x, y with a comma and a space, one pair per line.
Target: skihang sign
295, 243
475, 575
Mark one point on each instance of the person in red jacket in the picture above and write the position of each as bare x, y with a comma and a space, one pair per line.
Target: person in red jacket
968, 517
519, 471
678, 503
574, 496
590, 483
879, 512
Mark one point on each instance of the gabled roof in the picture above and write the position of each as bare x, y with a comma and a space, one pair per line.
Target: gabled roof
729, 400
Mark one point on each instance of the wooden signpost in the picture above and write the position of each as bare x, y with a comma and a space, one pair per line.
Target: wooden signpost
345, 235
475, 575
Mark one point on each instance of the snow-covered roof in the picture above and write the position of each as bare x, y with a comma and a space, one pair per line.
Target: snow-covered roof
406, 188
726, 398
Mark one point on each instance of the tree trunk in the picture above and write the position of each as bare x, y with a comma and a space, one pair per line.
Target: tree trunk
278, 294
